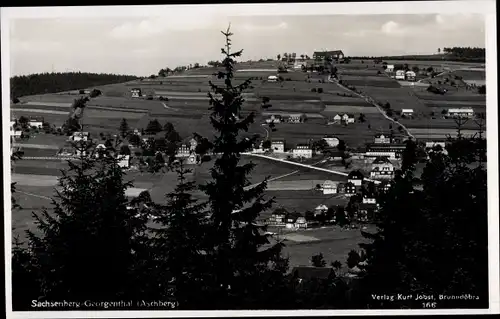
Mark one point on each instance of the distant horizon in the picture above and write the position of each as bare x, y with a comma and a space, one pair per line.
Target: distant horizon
204, 64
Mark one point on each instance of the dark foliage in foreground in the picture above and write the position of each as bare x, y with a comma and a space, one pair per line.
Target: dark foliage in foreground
59, 82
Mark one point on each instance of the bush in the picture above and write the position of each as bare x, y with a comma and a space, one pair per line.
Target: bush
320, 90
313, 90
15, 100
482, 89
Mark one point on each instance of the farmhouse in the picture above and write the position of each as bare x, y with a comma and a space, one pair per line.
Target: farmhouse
80, 136
301, 222
390, 68
278, 217
192, 144
382, 139
400, 75
385, 149
369, 200
274, 119
320, 209
366, 211
335, 120
302, 151
278, 145
192, 159
329, 187
272, 78
407, 112
296, 118
334, 55
382, 169
100, 151
183, 151
350, 189
36, 121
348, 118
331, 140
431, 145
461, 112
13, 121
356, 178
410, 76
136, 92
291, 218
15, 133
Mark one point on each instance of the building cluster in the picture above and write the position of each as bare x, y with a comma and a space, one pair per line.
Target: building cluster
289, 118
343, 118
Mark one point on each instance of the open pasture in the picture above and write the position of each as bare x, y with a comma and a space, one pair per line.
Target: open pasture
428, 123
50, 98
364, 82
451, 96
294, 106
301, 201
455, 104
399, 98
439, 132
332, 110
106, 114
53, 117
42, 107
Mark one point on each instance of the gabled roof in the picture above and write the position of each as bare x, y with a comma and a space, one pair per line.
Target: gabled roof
309, 272
36, 118
381, 160
278, 140
379, 135
355, 175
407, 110
321, 206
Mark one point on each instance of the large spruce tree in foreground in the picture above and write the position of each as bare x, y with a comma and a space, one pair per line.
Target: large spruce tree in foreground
246, 268
432, 240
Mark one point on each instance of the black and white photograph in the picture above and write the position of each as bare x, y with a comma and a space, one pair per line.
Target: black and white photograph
232, 159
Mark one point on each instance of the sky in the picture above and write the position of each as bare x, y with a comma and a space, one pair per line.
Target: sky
141, 46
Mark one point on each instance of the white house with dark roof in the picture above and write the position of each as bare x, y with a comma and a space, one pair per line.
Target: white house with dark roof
36, 121
329, 187
136, 92
80, 136
407, 112
382, 139
382, 169
400, 75
331, 140
356, 178
348, 118
302, 151
278, 145
410, 76
389, 68
461, 112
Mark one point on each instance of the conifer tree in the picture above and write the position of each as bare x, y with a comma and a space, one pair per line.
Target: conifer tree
86, 248
124, 128
433, 240
245, 266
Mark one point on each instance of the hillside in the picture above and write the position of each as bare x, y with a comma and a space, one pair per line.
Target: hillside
59, 82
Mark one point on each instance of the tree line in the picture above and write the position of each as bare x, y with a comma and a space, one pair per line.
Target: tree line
213, 254
59, 82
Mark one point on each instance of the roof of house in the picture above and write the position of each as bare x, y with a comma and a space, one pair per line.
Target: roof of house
329, 183
36, 118
459, 110
381, 160
410, 72
379, 135
303, 145
321, 206
310, 272
278, 140
355, 175
407, 110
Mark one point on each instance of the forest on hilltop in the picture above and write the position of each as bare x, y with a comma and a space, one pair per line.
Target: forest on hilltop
59, 82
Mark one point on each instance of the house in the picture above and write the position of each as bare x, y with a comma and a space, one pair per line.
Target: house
15, 133
461, 112
147, 137
183, 150
348, 118
385, 186
272, 78
369, 200
302, 151
291, 218
80, 136
350, 189
341, 188
304, 274
382, 169
329, 187
382, 149
320, 209
13, 121
100, 151
278, 145
192, 144
296, 118
407, 112
335, 120
301, 222
431, 145
36, 122
331, 140
192, 159
410, 76
389, 68
356, 178
366, 211
136, 92
382, 139
274, 119
334, 55
375, 154
400, 75
278, 217
123, 161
